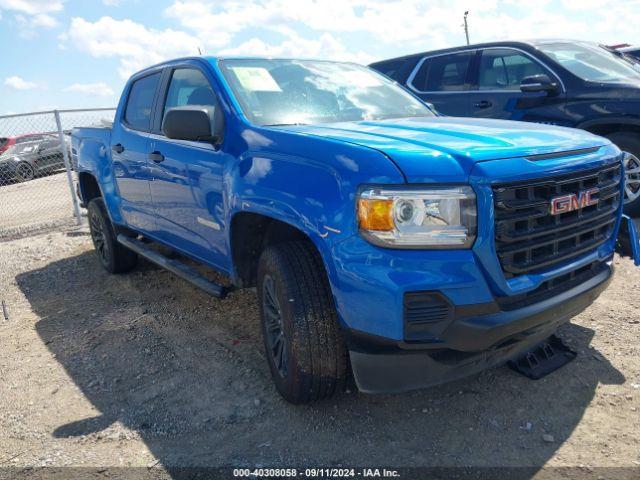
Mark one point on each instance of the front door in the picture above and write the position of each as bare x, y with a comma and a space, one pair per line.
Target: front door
496, 89
187, 176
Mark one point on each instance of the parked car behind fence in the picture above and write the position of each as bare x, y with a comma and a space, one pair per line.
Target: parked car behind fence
35, 188
25, 161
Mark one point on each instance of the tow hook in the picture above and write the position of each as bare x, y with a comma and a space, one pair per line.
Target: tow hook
627, 243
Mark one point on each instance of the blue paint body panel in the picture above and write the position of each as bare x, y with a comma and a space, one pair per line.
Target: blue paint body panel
309, 177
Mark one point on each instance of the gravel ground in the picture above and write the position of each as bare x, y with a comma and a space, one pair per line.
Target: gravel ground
35, 205
144, 370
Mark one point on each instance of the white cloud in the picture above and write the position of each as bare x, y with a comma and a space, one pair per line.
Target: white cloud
358, 30
33, 15
134, 44
325, 46
99, 89
19, 83
404, 26
32, 7
412, 21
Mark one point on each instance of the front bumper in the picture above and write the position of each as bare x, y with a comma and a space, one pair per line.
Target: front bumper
470, 344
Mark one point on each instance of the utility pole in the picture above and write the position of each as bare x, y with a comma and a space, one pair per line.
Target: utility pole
466, 26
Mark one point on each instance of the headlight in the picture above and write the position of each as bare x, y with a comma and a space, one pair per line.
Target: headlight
438, 217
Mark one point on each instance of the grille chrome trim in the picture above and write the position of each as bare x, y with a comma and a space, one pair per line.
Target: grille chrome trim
529, 239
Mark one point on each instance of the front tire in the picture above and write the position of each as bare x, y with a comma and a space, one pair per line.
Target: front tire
113, 257
25, 172
304, 346
630, 142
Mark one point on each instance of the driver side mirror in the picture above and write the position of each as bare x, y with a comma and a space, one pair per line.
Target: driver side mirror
191, 123
538, 83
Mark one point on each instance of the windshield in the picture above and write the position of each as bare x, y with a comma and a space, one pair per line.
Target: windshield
284, 92
591, 62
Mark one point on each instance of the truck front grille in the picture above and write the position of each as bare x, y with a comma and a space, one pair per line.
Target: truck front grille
529, 239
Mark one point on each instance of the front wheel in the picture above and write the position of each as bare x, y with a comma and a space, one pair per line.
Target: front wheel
25, 172
303, 342
629, 143
114, 257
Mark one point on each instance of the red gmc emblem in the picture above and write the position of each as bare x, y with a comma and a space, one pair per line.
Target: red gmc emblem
569, 203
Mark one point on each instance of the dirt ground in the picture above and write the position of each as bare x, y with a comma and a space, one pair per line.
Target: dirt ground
36, 205
144, 370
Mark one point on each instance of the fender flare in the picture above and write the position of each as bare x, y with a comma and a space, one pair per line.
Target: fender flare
616, 120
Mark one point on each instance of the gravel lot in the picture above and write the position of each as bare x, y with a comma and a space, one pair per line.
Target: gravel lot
144, 370
35, 205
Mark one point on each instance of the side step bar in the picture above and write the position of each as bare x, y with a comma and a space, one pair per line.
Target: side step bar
174, 266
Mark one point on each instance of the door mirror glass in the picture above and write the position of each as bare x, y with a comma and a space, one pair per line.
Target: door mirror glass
538, 83
189, 123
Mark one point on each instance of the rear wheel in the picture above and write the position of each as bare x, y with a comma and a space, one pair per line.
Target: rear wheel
629, 142
303, 342
114, 257
24, 172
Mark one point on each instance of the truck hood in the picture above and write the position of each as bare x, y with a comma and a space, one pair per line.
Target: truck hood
446, 148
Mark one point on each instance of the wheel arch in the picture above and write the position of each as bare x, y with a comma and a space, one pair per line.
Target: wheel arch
608, 125
88, 188
252, 232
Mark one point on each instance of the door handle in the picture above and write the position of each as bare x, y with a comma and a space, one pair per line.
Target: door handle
117, 148
156, 157
483, 104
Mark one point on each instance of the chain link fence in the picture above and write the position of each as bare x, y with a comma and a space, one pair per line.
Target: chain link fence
37, 176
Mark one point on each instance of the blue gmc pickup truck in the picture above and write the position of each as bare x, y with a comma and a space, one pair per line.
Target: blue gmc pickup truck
383, 240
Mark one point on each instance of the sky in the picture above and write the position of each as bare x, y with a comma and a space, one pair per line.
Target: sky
79, 53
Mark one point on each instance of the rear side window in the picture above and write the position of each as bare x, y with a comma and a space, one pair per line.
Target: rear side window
3, 141
140, 102
443, 73
505, 69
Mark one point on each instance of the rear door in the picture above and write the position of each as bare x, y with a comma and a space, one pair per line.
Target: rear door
187, 175
443, 80
496, 93
129, 149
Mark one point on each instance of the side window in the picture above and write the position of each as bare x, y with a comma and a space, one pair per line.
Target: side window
140, 102
189, 87
444, 73
504, 69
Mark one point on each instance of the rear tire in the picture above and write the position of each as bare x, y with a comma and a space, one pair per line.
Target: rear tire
113, 257
630, 142
304, 346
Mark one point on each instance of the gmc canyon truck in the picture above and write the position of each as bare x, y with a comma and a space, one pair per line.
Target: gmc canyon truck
382, 239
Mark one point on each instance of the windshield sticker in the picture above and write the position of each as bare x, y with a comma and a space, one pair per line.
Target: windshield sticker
256, 79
